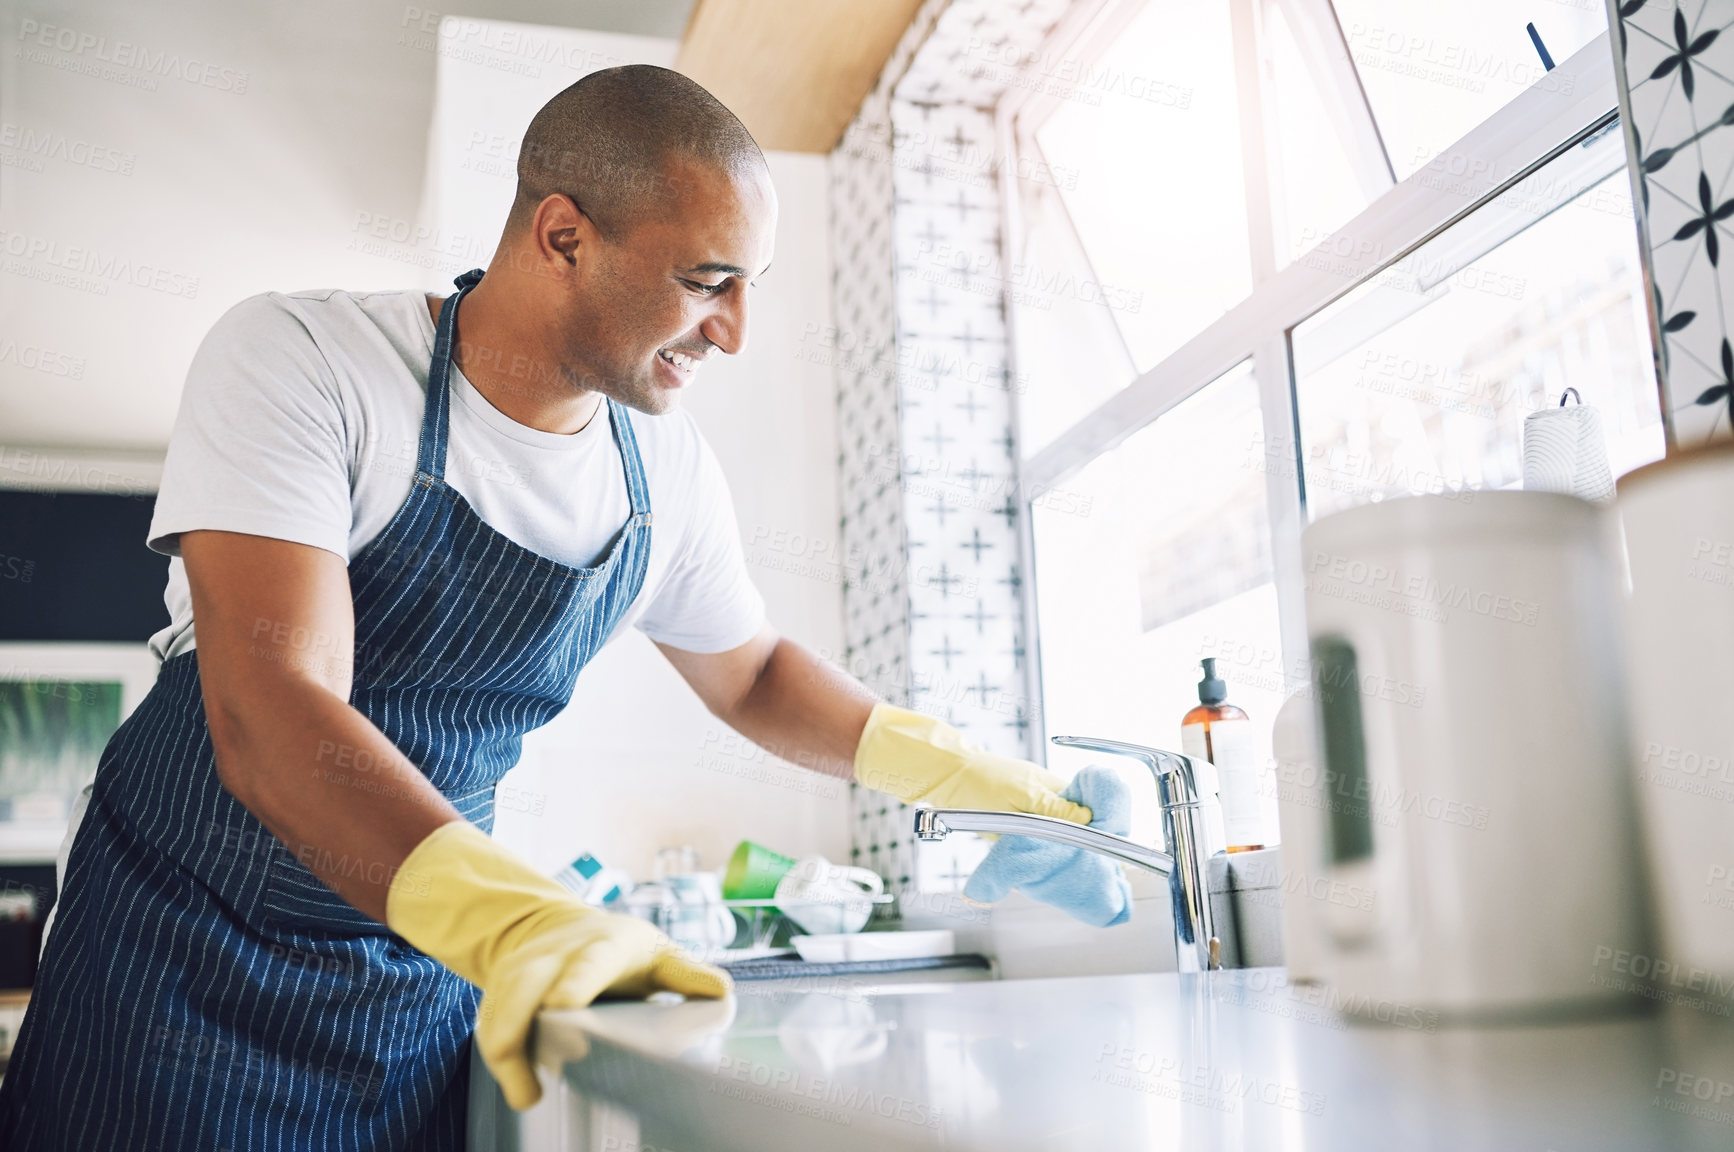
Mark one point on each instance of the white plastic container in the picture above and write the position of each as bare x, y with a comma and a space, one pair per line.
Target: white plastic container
1466, 660
1678, 517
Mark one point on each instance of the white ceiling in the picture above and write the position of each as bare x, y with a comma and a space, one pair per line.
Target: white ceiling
137, 204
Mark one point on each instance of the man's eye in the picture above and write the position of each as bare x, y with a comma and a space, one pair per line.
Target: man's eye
707, 289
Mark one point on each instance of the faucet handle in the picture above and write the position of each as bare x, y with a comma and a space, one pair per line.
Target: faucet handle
1169, 768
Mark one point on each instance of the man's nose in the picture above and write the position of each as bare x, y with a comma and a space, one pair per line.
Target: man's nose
727, 326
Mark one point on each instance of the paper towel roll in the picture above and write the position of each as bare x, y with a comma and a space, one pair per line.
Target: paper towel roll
1563, 451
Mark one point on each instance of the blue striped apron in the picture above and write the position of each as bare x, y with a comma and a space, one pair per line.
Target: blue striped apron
201, 988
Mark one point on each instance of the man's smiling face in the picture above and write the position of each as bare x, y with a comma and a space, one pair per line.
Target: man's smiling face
657, 302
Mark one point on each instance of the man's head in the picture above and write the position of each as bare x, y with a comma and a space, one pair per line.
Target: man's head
644, 209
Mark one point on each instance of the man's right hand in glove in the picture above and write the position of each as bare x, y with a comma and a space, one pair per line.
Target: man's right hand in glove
483, 912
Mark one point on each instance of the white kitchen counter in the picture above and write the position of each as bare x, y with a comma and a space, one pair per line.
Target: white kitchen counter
1237, 1060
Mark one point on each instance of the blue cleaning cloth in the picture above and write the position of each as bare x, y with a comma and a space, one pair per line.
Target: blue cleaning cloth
1089, 886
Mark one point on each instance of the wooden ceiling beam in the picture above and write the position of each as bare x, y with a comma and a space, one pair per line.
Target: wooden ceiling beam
794, 71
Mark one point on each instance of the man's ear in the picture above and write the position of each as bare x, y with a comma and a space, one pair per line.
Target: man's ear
561, 229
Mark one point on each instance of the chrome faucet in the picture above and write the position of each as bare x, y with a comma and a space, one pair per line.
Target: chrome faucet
1196, 946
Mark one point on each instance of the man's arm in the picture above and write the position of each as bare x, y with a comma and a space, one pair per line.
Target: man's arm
783, 698
796, 706
275, 643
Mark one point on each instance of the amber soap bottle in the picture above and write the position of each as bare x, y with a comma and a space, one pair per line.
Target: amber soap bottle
1221, 733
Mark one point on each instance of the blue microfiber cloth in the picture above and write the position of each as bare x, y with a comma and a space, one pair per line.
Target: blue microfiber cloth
1089, 886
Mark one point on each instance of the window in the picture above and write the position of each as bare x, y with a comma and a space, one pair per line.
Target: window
1419, 380
1067, 345
1325, 161
1276, 379
1154, 556
1433, 71
1159, 206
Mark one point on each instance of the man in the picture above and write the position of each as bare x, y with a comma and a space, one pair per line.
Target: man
399, 546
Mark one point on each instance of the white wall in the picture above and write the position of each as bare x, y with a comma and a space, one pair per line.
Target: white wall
159, 162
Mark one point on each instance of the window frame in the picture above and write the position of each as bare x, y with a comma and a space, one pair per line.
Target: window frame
1577, 100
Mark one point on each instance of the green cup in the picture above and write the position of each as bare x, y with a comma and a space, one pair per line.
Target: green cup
753, 872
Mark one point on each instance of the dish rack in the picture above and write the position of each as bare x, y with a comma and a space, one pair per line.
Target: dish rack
764, 917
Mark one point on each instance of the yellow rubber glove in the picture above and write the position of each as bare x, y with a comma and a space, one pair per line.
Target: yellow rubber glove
528, 943
916, 757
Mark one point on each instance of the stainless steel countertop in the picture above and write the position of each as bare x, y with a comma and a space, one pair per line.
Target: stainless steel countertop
1234, 1060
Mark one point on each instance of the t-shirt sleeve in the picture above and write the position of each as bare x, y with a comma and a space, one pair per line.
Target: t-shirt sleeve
708, 602
258, 444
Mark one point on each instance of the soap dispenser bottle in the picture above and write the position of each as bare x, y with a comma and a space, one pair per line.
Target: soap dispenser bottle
1221, 733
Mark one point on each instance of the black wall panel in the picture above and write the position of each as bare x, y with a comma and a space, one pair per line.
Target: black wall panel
74, 566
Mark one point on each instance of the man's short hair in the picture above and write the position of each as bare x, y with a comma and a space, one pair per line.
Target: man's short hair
607, 142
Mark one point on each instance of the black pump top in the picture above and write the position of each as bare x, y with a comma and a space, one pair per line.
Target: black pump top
1212, 689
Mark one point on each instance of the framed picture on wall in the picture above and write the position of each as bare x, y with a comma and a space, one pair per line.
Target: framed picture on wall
59, 704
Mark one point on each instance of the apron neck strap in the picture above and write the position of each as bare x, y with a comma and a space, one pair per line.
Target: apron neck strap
436, 413
637, 489
430, 457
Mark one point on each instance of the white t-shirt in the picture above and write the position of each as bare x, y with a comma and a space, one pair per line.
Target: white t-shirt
300, 421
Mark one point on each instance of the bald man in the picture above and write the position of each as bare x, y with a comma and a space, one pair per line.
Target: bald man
400, 536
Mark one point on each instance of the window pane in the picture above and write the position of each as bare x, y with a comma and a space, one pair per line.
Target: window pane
1069, 357
1313, 182
1156, 555
1419, 381
1434, 69
1153, 136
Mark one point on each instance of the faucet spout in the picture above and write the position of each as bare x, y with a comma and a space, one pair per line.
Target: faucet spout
936, 823
1176, 775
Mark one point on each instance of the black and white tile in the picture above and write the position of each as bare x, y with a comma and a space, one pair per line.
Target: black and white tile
928, 459
1675, 63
